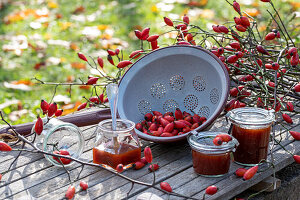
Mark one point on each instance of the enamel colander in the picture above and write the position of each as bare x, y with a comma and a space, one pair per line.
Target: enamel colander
185, 77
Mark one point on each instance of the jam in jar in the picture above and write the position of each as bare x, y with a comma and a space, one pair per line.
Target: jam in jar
116, 147
251, 127
208, 159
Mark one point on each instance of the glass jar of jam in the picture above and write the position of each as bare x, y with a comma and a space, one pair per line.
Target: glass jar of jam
251, 127
208, 159
116, 147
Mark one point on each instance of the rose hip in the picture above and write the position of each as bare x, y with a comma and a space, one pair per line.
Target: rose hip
92, 81
44, 106
81, 106
169, 128
148, 154
38, 128
169, 118
100, 62
4, 146
70, 192
287, 118
152, 38
165, 186
217, 141
295, 134
245, 21
270, 36
59, 112
168, 21
83, 185
138, 34
225, 137
138, 165
81, 56
148, 117
236, 7
240, 172
52, 109
250, 173
153, 167
166, 135
211, 190
120, 168
297, 158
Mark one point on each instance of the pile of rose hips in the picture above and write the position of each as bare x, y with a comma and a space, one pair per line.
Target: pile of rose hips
169, 124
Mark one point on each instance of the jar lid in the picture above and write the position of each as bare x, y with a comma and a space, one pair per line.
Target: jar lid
203, 142
251, 116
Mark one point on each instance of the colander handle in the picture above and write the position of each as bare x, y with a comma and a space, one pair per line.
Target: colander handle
85, 118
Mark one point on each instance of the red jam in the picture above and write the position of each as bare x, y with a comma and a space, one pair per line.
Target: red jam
209, 159
211, 164
109, 155
253, 144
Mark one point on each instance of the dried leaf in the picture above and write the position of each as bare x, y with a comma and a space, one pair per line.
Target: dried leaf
25, 82
70, 108
78, 65
79, 10
85, 87
74, 47
17, 87
253, 12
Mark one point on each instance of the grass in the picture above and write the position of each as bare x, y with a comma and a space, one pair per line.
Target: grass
114, 20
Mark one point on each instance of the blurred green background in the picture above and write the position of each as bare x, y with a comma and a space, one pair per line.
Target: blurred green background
40, 38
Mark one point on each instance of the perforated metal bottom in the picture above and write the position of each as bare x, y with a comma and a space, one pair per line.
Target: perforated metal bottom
182, 77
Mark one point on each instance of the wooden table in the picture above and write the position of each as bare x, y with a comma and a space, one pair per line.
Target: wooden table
32, 177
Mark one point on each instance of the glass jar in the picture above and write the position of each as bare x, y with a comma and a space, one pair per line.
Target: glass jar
208, 159
116, 147
251, 127
58, 135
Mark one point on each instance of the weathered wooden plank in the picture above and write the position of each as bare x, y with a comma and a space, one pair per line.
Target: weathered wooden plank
37, 165
52, 178
183, 178
191, 182
27, 163
233, 186
27, 157
162, 174
100, 187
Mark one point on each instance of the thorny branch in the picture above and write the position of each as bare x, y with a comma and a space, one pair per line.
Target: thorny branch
259, 87
35, 149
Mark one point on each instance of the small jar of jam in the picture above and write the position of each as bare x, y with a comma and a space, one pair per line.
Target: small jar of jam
208, 159
251, 127
116, 147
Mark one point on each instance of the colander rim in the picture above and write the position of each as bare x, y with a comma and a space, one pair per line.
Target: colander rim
209, 121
